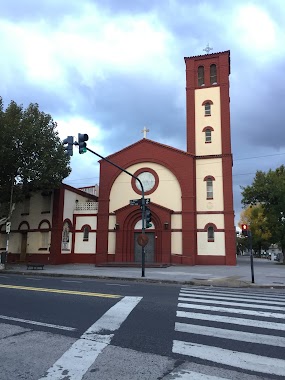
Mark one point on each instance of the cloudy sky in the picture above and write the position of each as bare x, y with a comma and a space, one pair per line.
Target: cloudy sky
110, 67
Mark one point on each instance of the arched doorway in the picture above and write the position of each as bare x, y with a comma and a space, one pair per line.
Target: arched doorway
150, 256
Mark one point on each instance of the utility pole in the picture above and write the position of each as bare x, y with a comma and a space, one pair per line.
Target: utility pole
8, 223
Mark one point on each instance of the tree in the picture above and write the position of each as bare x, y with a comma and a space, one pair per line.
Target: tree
32, 156
257, 221
268, 190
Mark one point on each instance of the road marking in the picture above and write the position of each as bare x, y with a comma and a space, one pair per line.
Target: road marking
231, 320
236, 298
78, 282
230, 334
4, 276
117, 285
231, 310
229, 303
37, 323
34, 279
186, 375
73, 292
235, 359
74, 363
255, 295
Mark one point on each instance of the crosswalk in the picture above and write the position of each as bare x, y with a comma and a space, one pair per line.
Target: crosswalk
243, 330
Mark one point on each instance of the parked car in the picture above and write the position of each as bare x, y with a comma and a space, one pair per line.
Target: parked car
277, 257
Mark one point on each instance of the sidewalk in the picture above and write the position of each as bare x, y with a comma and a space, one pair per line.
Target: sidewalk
266, 273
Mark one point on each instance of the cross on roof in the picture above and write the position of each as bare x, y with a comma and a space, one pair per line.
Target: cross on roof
144, 131
207, 49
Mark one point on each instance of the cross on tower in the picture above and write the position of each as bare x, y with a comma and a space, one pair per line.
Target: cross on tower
207, 49
144, 131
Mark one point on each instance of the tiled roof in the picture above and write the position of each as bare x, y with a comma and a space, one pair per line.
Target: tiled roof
207, 55
150, 142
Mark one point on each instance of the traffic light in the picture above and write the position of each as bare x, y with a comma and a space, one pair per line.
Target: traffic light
244, 229
69, 147
82, 137
148, 217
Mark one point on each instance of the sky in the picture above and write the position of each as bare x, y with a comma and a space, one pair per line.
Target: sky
109, 68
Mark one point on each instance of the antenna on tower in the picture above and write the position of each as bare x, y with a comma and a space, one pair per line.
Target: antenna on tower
207, 49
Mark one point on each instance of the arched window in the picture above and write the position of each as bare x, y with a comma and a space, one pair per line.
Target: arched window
86, 231
44, 227
207, 109
207, 104
66, 235
209, 186
201, 81
211, 234
213, 74
208, 136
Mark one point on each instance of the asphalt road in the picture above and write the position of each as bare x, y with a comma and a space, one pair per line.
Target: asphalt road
73, 329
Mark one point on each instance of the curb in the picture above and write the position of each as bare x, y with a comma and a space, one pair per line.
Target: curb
218, 283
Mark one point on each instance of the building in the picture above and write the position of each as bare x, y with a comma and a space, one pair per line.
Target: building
55, 227
190, 192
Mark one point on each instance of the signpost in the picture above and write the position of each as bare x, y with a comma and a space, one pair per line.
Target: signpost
138, 202
8, 227
142, 240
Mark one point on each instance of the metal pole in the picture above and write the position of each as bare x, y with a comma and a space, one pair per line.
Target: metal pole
9, 216
251, 256
143, 201
143, 230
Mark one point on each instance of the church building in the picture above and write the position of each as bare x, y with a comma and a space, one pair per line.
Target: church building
190, 192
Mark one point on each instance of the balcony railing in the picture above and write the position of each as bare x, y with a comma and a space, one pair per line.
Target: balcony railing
86, 206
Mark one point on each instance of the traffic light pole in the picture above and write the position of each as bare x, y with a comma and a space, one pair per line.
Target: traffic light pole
143, 201
251, 256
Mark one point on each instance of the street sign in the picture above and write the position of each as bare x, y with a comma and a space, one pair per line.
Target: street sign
8, 227
135, 202
138, 202
142, 240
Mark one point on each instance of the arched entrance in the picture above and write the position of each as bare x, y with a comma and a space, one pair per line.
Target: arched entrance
158, 250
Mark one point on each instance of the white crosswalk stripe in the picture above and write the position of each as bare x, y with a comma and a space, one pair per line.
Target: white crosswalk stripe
235, 298
241, 329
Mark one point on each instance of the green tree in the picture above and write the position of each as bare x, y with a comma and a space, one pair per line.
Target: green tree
255, 217
268, 190
32, 156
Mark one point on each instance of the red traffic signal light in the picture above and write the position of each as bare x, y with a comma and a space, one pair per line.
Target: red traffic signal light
244, 229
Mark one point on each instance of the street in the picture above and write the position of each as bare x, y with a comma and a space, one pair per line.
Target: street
64, 328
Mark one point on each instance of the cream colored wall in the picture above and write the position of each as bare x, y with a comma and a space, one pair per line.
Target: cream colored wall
201, 121
122, 190
111, 242
34, 218
204, 168
14, 242
81, 246
176, 221
112, 222
217, 219
85, 246
35, 214
176, 243
216, 248
69, 203
90, 220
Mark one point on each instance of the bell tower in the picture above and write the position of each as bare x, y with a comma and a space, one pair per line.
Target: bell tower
209, 141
